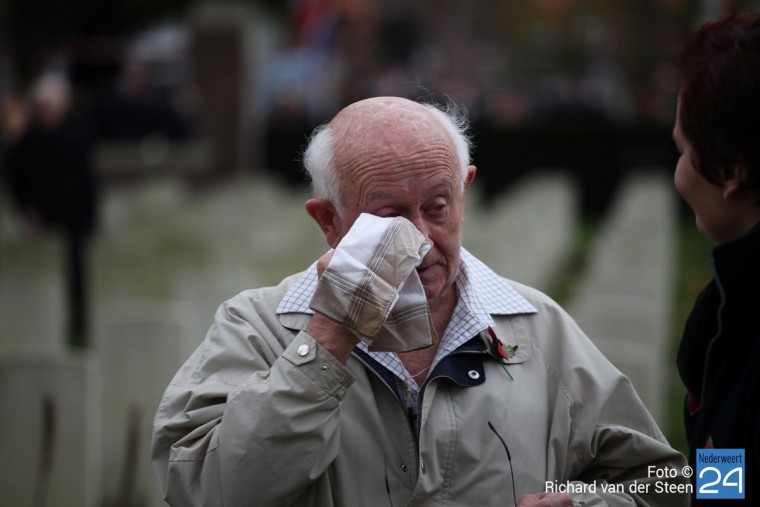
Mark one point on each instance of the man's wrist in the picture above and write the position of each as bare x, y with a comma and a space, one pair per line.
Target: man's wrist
333, 337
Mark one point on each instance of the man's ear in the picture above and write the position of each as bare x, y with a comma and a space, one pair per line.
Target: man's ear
323, 212
735, 178
471, 170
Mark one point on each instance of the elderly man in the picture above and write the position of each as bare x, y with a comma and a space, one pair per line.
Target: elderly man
314, 393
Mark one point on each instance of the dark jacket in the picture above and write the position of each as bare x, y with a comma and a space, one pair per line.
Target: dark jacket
719, 361
50, 176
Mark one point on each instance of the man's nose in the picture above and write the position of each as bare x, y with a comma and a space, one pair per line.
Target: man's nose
421, 226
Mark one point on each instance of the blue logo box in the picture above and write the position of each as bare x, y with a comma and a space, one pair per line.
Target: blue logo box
720, 474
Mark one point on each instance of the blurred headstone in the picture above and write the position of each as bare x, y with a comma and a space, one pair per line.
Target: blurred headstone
142, 343
527, 232
207, 286
623, 302
32, 297
50, 430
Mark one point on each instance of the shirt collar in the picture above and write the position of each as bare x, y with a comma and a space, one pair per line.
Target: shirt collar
481, 291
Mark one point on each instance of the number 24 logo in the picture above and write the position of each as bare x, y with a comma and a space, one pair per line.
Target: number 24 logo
706, 488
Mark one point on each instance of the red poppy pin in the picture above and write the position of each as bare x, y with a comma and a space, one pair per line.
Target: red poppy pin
500, 350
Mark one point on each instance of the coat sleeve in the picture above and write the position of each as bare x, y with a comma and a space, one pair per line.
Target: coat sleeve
252, 414
613, 452
627, 460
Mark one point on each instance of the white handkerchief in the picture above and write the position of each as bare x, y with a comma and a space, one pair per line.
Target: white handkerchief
371, 285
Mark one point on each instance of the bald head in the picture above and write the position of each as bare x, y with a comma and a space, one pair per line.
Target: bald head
381, 113
381, 126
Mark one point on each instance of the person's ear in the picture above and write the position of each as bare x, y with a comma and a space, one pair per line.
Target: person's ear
735, 178
471, 170
324, 214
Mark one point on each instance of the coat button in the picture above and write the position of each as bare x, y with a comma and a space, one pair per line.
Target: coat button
474, 374
303, 350
324, 367
403, 467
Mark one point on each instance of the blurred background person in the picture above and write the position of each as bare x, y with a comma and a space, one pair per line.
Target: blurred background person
718, 174
52, 183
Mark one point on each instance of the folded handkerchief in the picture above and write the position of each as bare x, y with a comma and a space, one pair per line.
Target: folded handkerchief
371, 287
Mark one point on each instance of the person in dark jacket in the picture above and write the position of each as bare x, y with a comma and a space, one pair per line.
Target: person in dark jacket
52, 183
717, 131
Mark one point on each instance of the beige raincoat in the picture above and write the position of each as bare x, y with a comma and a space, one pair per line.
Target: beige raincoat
261, 415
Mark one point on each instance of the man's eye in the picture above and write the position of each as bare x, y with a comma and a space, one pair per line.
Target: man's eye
438, 209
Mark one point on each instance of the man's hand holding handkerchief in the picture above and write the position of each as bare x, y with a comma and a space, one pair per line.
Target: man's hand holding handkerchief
372, 288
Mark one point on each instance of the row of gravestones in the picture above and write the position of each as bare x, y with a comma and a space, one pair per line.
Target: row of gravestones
79, 425
624, 300
526, 234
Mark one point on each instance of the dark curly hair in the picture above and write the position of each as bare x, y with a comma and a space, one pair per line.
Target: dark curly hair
720, 96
